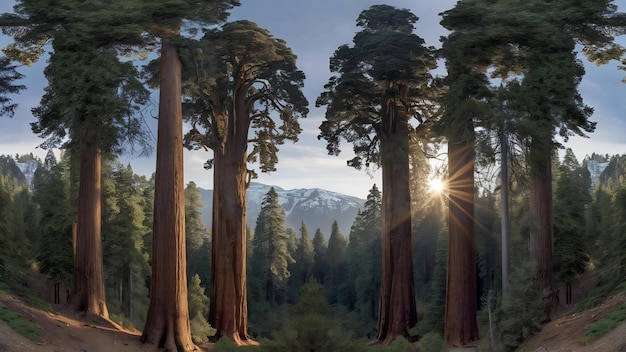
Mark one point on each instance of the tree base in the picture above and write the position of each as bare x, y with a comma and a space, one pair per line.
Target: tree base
236, 338
390, 338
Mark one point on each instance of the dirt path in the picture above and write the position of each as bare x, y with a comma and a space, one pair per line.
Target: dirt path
62, 333
564, 333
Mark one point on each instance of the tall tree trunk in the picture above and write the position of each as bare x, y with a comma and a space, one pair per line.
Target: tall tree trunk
541, 242
397, 312
228, 312
167, 323
461, 303
87, 293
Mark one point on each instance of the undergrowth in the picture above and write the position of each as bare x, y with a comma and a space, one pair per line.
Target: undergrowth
21, 325
604, 325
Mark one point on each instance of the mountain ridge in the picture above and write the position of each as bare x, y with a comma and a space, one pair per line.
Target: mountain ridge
316, 207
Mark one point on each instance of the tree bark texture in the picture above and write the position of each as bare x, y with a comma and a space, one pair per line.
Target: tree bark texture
461, 327
88, 295
167, 323
541, 235
397, 309
228, 312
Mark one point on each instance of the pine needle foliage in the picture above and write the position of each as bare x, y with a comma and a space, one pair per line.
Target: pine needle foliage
311, 327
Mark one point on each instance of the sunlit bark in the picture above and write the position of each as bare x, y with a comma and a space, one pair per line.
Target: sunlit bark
460, 318
228, 312
397, 312
87, 293
167, 323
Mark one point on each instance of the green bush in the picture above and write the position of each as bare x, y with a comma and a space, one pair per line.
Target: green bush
433, 342
311, 327
398, 345
521, 311
227, 345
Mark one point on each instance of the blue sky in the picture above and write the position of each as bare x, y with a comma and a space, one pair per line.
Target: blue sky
314, 29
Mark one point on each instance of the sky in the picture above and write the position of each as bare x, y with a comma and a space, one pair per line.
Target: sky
314, 30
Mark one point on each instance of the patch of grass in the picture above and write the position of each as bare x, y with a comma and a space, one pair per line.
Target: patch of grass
400, 344
593, 299
227, 345
604, 325
22, 326
433, 342
26, 294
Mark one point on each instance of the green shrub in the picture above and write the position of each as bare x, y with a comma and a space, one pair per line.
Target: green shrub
433, 342
227, 345
521, 311
311, 327
18, 323
122, 320
400, 344
200, 329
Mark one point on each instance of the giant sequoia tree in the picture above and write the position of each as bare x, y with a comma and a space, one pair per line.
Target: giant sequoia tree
381, 84
467, 55
167, 324
243, 88
88, 107
530, 46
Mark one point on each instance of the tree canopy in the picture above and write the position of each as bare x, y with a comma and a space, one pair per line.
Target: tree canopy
241, 72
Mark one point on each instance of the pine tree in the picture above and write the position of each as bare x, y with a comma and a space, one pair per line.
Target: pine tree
364, 256
196, 234
304, 258
271, 256
337, 267
123, 229
571, 200
8, 75
51, 193
319, 256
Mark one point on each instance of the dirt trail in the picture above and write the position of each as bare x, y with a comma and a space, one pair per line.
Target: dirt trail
564, 333
62, 333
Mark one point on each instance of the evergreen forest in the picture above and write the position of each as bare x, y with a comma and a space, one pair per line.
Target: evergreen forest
483, 260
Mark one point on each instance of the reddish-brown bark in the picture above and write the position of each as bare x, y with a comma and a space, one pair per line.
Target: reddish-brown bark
541, 242
461, 327
228, 312
397, 311
88, 295
167, 323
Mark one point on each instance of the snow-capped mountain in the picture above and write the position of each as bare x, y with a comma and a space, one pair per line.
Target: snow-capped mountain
28, 168
595, 170
318, 208
21, 171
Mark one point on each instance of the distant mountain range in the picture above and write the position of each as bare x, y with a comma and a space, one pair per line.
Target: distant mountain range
318, 208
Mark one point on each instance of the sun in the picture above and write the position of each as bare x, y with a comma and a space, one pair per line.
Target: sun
436, 185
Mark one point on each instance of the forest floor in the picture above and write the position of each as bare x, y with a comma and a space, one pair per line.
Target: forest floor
64, 332
565, 331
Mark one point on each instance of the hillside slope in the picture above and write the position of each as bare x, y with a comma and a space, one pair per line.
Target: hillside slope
564, 333
63, 333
